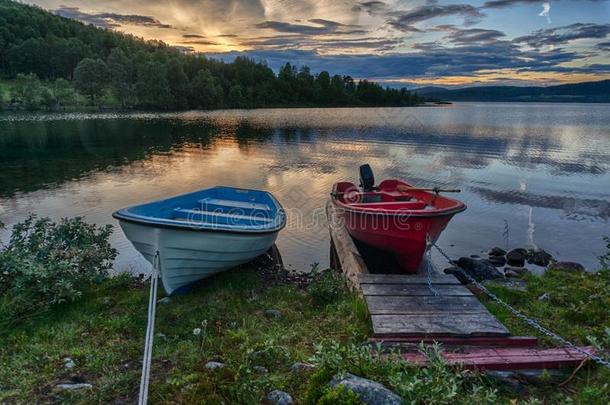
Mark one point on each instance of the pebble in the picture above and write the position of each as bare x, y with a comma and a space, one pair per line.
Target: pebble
544, 297
515, 272
69, 363
299, 367
213, 365
107, 301
273, 313
260, 370
165, 300
75, 386
277, 397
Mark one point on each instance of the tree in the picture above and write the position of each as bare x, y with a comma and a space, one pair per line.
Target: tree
63, 93
122, 75
26, 90
204, 92
152, 87
178, 83
90, 77
236, 97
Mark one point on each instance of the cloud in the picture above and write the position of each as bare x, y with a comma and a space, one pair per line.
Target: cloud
193, 36
546, 10
322, 27
109, 20
510, 3
604, 46
563, 35
470, 35
404, 20
297, 41
371, 7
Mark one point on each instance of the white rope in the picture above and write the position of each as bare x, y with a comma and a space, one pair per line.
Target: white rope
150, 329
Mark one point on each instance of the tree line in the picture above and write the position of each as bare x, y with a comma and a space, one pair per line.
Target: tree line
51, 61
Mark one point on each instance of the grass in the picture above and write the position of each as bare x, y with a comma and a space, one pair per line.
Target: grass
103, 333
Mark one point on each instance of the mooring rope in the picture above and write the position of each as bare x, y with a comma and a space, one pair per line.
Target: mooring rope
150, 329
530, 321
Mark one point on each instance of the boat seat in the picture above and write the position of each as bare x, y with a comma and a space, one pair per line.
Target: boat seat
191, 214
234, 204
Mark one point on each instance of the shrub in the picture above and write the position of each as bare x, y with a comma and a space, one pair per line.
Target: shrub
47, 263
339, 396
327, 287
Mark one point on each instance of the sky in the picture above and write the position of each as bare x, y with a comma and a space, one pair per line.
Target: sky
411, 43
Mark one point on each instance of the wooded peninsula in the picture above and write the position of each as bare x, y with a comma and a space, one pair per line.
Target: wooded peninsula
51, 62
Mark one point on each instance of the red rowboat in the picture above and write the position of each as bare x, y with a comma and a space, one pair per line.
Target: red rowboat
394, 216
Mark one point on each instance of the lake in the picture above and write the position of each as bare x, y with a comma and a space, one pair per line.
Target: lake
531, 174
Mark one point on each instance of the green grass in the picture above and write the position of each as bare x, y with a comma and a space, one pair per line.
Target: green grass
106, 343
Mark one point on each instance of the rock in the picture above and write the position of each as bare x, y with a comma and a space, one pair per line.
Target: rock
369, 392
475, 256
74, 386
568, 267
544, 297
516, 257
539, 257
457, 273
497, 261
273, 313
479, 269
69, 363
515, 272
213, 365
496, 251
277, 397
162, 336
299, 367
509, 380
107, 301
164, 301
260, 370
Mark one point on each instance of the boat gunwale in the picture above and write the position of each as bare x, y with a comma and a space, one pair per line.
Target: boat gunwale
123, 214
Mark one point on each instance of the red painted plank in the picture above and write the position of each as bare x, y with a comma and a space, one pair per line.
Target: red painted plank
512, 341
508, 358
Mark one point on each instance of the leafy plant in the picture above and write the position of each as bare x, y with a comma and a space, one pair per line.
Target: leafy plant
604, 260
47, 263
339, 396
327, 287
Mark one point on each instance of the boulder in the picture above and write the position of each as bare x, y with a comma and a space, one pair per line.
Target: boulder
497, 261
539, 257
515, 272
369, 392
277, 397
479, 269
273, 313
496, 251
457, 272
213, 365
568, 267
299, 367
516, 257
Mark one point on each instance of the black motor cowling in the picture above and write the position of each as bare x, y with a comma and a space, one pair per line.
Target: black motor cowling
367, 180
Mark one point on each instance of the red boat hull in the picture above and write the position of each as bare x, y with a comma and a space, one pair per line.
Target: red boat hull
387, 220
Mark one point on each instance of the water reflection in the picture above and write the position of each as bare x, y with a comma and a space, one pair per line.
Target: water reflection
542, 167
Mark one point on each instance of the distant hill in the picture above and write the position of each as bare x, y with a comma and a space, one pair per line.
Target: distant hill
589, 92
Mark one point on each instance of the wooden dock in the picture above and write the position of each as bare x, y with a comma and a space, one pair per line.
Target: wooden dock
406, 310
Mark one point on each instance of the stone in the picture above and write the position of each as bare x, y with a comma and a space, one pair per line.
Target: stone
299, 367
568, 267
544, 297
162, 336
260, 370
213, 365
497, 261
74, 386
475, 256
164, 301
515, 272
539, 257
273, 313
479, 269
496, 251
457, 272
277, 397
510, 381
107, 301
368, 391
516, 257
69, 363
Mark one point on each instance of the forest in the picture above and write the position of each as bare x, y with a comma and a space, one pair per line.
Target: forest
47, 61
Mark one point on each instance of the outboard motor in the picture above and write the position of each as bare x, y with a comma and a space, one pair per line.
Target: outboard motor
367, 180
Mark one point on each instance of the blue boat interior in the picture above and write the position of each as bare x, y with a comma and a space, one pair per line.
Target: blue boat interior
214, 208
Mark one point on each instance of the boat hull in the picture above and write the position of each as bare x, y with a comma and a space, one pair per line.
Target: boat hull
190, 255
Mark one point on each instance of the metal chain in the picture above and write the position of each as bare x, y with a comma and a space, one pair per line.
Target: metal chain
530, 321
429, 265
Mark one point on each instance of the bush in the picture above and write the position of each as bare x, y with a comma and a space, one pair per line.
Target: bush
339, 396
327, 288
47, 263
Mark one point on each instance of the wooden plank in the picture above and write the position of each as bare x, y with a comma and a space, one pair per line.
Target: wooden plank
415, 290
380, 305
350, 260
456, 324
505, 341
508, 358
414, 279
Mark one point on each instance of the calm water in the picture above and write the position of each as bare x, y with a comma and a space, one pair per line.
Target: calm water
539, 171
